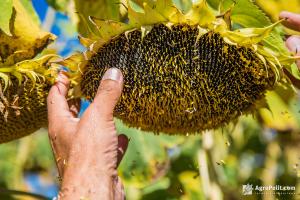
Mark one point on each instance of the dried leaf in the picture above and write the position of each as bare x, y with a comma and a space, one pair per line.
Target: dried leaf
27, 38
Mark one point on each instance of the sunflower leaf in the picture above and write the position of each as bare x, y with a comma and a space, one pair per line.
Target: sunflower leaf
183, 5
6, 10
247, 14
101, 9
279, 115
136, 7
27, 40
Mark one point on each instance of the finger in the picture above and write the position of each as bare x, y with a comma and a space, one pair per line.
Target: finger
293, 44
56, 102
292, 20
108, 93
122, 147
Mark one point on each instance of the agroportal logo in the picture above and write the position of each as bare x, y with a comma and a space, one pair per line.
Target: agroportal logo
278, 189
247, 189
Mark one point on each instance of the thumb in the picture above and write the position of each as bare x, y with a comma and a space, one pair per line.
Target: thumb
109, 92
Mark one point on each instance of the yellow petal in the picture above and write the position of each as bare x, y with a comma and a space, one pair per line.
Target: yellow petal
149, 16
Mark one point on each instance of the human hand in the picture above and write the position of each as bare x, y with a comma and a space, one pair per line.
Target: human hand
87, 150
293, 22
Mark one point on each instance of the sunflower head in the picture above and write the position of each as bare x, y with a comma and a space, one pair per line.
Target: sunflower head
185, 70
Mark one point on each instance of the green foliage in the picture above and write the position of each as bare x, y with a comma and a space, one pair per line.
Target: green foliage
183, 5
274, 7
143, 164
27, 38
31, 11
102, 9
243, 12
8, 168
60, 5
6, 10
135, 6
247, 14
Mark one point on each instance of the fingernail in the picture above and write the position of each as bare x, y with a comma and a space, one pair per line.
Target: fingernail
113, 74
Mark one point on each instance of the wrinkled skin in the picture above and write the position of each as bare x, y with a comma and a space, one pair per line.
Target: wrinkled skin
87, 150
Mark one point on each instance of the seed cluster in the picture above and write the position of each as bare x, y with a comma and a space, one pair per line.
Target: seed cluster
23, 109
177, 83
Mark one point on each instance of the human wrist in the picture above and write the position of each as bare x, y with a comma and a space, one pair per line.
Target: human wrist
84, 183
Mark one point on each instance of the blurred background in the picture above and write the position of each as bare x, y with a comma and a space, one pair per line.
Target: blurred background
261, 149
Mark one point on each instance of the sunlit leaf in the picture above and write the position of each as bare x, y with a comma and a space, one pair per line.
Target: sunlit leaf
31, 11
101, 9
274, 7
279, 115
27, 38
244, 12
6, 10
247, 14
183, 5
192, 184
147, 158
136, 7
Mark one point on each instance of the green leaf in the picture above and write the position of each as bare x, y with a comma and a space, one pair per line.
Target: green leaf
247, 14
183, 5
276, 43
251, 35
214, 4
244, 12
60, 5
101, 9
192, 184
6, 9
295, 71
274, 7
146, 159
31, 11
279, 115
136, 7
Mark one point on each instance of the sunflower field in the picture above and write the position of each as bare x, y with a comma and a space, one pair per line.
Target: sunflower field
211, 100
